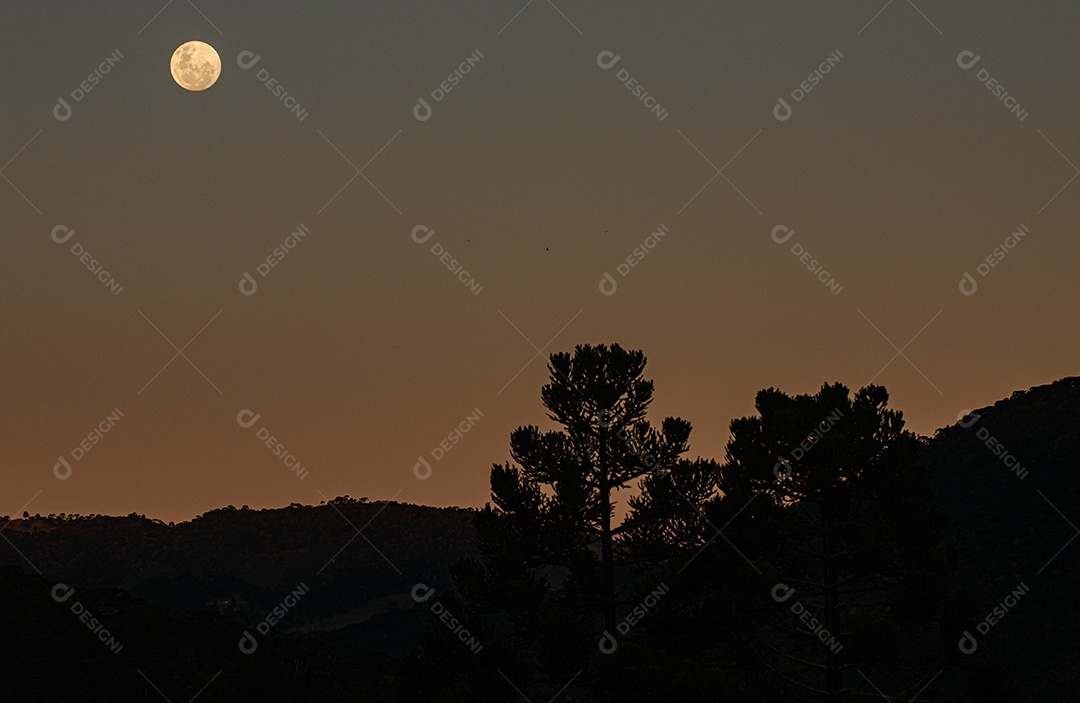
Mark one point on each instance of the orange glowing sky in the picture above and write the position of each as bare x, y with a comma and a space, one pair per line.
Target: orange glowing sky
539, 171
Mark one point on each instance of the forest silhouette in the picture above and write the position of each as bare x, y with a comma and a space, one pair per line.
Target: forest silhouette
832, 555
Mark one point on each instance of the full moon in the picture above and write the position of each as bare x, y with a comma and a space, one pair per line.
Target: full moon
195, 65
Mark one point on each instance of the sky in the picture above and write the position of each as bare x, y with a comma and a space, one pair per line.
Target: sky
756, 197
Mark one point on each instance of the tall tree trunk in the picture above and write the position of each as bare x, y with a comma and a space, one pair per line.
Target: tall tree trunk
832, 670
606, 556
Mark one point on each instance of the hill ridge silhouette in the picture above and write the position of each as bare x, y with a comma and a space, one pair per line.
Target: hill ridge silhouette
1010, 527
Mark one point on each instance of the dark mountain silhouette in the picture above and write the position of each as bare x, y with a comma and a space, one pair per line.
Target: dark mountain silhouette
243, 563
1002, 474
49, 654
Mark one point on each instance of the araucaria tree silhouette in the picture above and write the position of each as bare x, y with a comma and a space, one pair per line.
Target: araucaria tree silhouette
848, 548
556, 569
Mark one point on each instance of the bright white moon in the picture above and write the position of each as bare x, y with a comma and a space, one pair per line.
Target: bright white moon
195, 65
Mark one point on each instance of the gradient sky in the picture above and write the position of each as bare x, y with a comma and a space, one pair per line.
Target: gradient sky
539, 171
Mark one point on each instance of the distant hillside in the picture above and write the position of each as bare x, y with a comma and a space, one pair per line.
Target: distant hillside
243, 563
1002, 474
49, 655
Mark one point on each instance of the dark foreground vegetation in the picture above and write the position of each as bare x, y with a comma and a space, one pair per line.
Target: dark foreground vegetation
831, 556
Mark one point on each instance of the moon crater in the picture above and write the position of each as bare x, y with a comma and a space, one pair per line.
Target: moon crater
195, 65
